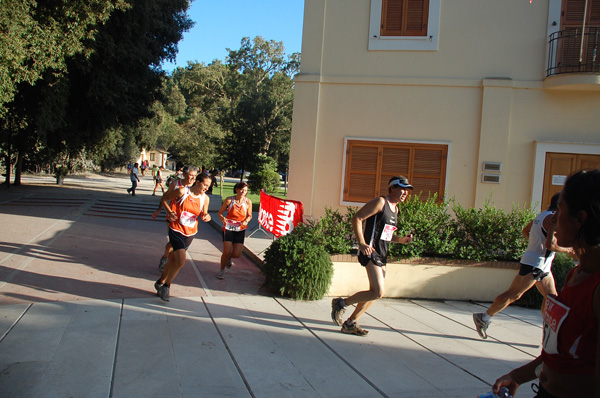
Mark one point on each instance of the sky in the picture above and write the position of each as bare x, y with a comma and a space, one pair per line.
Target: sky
279, 20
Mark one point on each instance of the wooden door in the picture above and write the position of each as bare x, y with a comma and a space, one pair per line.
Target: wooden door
561, 165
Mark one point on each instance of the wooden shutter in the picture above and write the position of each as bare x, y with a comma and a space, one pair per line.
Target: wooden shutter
429, 172
362, 163
404, 17
572, 14
371, 164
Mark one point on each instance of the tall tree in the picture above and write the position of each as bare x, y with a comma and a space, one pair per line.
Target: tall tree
113, 84
262, 97
41, 35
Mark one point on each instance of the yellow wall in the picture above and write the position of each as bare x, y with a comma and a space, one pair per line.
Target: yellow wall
483, 92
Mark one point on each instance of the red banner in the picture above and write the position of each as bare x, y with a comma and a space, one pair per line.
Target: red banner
279, 216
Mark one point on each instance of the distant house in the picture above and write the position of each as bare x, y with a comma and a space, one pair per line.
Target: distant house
158, 157
469, 99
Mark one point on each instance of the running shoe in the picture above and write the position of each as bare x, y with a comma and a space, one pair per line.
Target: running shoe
481, 325
163, 292
354, 329
162, 263
157, 286
221, 273
337, 310
229, 264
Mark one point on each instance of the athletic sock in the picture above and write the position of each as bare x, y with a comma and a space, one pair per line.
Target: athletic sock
486, 317
350, 322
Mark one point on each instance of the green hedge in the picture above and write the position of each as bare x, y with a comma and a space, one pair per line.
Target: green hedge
299, 266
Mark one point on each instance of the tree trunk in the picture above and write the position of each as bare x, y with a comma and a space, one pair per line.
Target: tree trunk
8, 156
18, 169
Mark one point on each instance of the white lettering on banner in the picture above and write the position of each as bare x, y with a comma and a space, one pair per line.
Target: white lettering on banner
285, 223
265, 219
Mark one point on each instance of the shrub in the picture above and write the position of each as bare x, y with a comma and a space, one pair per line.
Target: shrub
490, 233
334, 231
431, 224
265, 176
298, 266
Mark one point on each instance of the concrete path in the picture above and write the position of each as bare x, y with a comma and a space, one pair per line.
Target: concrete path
79, 317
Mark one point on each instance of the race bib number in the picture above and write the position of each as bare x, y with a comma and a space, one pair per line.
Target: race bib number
388, 232
187, 219
555, 314
233, 225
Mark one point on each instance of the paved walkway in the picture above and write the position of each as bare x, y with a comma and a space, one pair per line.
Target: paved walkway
79, 318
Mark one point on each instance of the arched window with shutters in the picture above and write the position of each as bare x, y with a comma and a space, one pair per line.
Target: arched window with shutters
370, 165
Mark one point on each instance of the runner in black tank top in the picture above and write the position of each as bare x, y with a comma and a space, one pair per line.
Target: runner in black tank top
378, 233
379, 216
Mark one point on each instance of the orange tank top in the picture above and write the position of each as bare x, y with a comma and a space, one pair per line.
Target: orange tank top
237, 212
188, 208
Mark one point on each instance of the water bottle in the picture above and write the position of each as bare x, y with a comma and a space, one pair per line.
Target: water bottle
503, 393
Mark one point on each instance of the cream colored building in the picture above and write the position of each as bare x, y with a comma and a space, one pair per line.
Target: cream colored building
475, 98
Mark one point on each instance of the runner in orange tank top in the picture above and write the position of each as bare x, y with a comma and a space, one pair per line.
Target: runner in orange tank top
239, 214
189, 174
186, 207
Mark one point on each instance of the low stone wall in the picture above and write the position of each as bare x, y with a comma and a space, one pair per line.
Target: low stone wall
427, 278
215, 203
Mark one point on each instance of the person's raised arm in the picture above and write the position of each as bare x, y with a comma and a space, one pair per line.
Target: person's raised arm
371, 208
516, 377
222, 210
164, 200
527, 229
551, 239
205, 216
248, 212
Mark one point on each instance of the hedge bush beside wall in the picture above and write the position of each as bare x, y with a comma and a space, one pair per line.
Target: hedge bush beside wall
299, 266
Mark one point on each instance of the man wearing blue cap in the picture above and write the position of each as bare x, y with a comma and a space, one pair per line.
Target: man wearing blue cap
379, 216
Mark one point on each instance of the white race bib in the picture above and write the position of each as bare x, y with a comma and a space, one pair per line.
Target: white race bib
388, 232
554, 315
233, 225
187, 219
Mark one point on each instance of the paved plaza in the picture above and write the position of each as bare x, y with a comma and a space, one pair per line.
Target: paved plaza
79, 316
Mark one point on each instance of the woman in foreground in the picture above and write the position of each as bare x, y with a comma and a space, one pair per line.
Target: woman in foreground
567, 367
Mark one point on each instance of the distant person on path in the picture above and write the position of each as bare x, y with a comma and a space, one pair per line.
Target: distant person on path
143, 167
134, 177
374, 240
158, 181
239, 214
189, 174
186, 207
568, 366
213, 181
535, 268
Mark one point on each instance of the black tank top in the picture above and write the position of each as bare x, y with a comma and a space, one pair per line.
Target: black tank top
378, 232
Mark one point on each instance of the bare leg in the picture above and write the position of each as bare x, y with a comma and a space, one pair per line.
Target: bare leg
176, 261
546, 286
168, 250
227, 253
519, 285
366, 298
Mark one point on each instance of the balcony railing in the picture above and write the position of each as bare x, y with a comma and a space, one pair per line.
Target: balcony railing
566, 54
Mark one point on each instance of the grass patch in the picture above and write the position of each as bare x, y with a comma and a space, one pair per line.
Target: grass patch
255, 198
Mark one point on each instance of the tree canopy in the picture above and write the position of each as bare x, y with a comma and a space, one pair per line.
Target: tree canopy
82, 84
40, 36
101, 80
